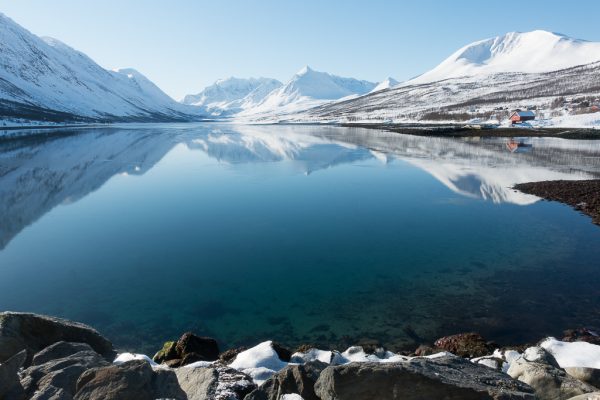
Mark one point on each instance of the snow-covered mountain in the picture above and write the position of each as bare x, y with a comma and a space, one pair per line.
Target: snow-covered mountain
43, 78
233, 94
385, 84
309, 88
483, 81
529, 52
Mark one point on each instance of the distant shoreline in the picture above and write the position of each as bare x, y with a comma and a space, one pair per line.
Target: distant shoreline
417, 129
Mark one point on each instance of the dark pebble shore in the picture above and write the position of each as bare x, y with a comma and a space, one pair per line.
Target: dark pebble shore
465, 130
584, 195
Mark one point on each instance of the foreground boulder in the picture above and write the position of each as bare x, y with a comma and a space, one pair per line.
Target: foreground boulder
59, 376
590, 376
188, 349
10, 387
32, 332
445, 377
465, 345
539, 369
131, 380
293, 379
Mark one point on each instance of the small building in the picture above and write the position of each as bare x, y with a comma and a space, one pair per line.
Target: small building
519, 116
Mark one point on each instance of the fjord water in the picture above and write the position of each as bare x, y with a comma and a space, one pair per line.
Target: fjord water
320, 235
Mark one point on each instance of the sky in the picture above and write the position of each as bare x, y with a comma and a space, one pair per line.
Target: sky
185, 45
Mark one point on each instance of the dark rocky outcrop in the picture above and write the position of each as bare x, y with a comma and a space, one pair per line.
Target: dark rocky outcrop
32, 332
229, 355
446, 378
465, 345
299, 379
10, 387
188, 349
283, 353
131, 380
581, 335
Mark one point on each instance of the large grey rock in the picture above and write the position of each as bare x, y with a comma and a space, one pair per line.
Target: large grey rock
128, 381
51, 393
588, 375
210, 383
587, 396
62, 373
10, 387
299, 379
32, 332
59, 350
448, 378
549, 381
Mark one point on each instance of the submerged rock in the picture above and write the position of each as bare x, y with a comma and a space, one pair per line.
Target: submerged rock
293, 379
33, 332
421, 378
465, 345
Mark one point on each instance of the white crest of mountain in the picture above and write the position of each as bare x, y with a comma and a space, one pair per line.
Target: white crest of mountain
529, 52
385, 84
44, 73
233, 94
309, 88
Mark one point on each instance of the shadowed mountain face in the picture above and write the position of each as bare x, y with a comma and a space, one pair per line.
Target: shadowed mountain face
40, 173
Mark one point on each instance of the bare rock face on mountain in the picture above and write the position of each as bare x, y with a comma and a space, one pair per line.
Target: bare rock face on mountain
32, 332
450, 378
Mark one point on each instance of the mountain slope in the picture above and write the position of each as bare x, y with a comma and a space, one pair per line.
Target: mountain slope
309, 88
386, 84
43, 76
529, 52
232, 94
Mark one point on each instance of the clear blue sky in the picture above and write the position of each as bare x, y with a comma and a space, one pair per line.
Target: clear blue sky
184, 45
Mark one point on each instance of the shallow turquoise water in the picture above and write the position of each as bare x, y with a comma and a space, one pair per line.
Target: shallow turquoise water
300, 234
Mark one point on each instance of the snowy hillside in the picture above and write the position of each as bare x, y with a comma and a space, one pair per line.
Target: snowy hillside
481, 83
232, 95
306, 89
386, 84
529, 52
43, 78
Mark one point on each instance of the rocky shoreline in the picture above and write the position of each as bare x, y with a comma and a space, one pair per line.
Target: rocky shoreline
584, 196
46, 358
466, 130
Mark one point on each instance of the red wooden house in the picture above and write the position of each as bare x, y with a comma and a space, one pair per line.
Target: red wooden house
522, 116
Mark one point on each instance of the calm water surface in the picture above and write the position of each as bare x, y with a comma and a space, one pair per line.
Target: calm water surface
319, 235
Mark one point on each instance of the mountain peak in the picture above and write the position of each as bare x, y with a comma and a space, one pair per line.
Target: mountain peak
525, 52
305, 70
